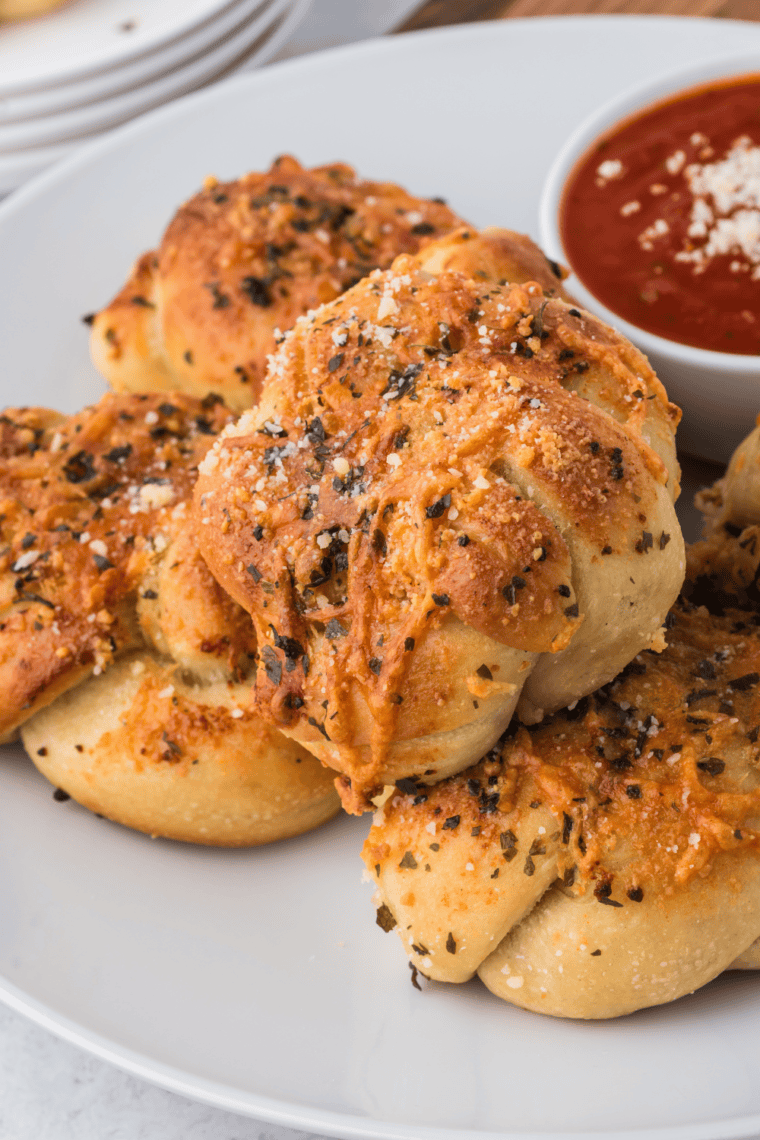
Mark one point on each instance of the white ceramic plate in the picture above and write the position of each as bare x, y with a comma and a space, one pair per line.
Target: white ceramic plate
59, 97
87, 36
276, 39
193, 73
257, 980
15, 169
18, 167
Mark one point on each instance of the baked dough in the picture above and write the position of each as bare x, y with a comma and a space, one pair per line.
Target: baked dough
243, 259
100, 561
500, 256
605, 861
724, 567
736, 497
89, 506
24, 9
496, 255
433, 515
142, 746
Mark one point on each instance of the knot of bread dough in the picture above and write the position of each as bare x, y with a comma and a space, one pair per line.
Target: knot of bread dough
121, 658
92, 506
723, 567
240, 261
446, 478
609, 859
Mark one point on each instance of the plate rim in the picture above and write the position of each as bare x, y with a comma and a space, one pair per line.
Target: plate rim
56, 98
19, 167
379, 45
325, 1122
62, 127
217, 1094
184, 27
154, 118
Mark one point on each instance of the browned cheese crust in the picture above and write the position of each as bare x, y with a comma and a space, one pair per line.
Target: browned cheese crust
606, 860
243, 259
723, 568
89, 505
500, 256
446, 491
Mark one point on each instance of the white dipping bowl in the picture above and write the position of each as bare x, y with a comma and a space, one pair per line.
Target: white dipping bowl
719, 392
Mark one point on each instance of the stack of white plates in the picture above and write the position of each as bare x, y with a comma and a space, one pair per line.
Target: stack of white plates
82, 70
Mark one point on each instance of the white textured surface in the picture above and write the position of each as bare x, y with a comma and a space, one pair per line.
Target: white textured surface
50, 1090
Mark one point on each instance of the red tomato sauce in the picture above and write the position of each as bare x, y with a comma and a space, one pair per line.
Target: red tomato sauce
660, 219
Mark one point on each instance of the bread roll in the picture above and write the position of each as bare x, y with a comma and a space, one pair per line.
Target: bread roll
429, 522
665, 948
723, 568
101, 562
607, 860
89, 505
738, 498
243, 259
500, 256
494, 255
142, 746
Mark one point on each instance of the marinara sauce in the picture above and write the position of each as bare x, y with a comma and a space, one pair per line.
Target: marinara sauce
661, 218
